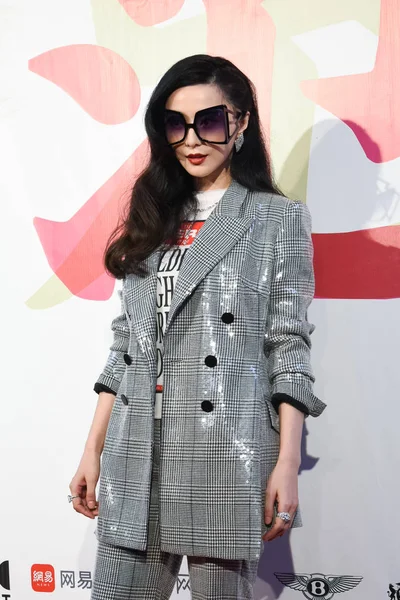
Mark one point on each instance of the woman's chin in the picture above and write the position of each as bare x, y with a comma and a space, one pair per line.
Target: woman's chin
198, 170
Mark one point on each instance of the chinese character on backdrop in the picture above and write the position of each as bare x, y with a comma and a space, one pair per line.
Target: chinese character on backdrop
85, 580
68, 579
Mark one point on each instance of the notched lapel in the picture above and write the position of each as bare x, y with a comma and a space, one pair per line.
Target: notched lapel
216, 238
221, 231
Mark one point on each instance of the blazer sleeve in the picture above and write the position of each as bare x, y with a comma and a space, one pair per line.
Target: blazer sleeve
287, 339
111, 376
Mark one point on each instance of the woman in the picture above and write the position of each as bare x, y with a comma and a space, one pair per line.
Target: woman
203, 397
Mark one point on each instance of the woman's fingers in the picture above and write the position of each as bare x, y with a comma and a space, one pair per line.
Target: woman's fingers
280, 526
91, 501
282, 490
79, 502
79, 507
269, 506
275, 531
84, 485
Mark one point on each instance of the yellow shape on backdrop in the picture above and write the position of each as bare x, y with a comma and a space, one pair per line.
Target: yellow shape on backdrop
292, 115
52, 293
292, 118
294, 17
149, 50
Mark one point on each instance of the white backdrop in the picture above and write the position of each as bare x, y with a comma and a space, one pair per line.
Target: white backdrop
59, 149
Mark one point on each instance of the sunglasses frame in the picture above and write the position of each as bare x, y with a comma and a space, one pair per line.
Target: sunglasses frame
188, 126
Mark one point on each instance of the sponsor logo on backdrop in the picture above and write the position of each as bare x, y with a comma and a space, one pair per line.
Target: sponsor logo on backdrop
318, 585
5, 579
182, 583
43, 578
81, 580
394, 591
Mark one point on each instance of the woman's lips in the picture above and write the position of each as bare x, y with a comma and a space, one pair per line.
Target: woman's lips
197, 159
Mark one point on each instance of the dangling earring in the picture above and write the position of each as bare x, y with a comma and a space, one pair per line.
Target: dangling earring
239, 142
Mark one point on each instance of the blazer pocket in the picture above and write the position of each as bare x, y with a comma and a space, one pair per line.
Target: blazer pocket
254, 285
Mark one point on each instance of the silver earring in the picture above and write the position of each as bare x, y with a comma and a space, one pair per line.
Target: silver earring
239, 142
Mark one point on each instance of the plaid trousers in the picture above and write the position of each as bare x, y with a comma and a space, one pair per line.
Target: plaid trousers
125, 574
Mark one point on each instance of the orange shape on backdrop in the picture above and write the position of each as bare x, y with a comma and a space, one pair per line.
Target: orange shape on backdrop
74, 248
370, 100
151, 12
101, 81
243, 32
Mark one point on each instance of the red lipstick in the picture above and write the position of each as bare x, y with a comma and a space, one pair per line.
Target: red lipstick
196, 159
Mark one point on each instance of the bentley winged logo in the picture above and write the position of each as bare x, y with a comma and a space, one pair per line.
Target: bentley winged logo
317, 585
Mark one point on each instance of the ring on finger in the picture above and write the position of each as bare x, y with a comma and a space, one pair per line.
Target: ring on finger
70, 498
285, 516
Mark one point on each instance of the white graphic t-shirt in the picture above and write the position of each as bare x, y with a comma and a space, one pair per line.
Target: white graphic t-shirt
168, 270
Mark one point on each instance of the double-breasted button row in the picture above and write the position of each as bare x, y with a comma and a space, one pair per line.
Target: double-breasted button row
211, 362
127, 359
227, 318
206, 405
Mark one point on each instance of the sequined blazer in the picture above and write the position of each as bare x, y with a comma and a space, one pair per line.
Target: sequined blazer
237, 338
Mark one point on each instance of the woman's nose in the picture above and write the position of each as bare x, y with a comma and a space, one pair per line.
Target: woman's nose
192, 139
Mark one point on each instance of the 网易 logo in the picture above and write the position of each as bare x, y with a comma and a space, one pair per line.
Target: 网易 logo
43, 578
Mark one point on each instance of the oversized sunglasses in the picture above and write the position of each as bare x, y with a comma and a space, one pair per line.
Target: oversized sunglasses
210, 125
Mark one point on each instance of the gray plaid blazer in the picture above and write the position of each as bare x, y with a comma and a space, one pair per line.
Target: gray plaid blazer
237, 333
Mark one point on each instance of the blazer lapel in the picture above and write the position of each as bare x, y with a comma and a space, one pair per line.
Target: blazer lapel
221, 231
141, 294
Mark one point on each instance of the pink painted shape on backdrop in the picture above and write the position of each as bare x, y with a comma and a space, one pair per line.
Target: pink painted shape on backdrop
74, 248
243, 32
371, 100
151, 12
100, 80
100, 289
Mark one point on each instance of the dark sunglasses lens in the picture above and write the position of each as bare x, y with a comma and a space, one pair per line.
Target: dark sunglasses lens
174, 128
211, 125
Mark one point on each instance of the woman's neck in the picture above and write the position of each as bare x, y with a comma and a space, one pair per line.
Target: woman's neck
219, 181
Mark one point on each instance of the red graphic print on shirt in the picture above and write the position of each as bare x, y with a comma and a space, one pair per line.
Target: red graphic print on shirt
168, 270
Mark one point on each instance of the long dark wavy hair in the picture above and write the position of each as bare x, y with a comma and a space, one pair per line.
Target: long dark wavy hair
164, 191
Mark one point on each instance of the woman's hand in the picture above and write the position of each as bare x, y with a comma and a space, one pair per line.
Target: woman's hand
282, 488
84, 484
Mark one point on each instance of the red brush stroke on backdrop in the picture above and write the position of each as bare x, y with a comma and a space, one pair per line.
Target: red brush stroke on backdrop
100, 80
371, 100
75, 248
358, 264
243, 32
151, 12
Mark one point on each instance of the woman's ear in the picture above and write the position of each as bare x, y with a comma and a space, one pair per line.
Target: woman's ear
244, 122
